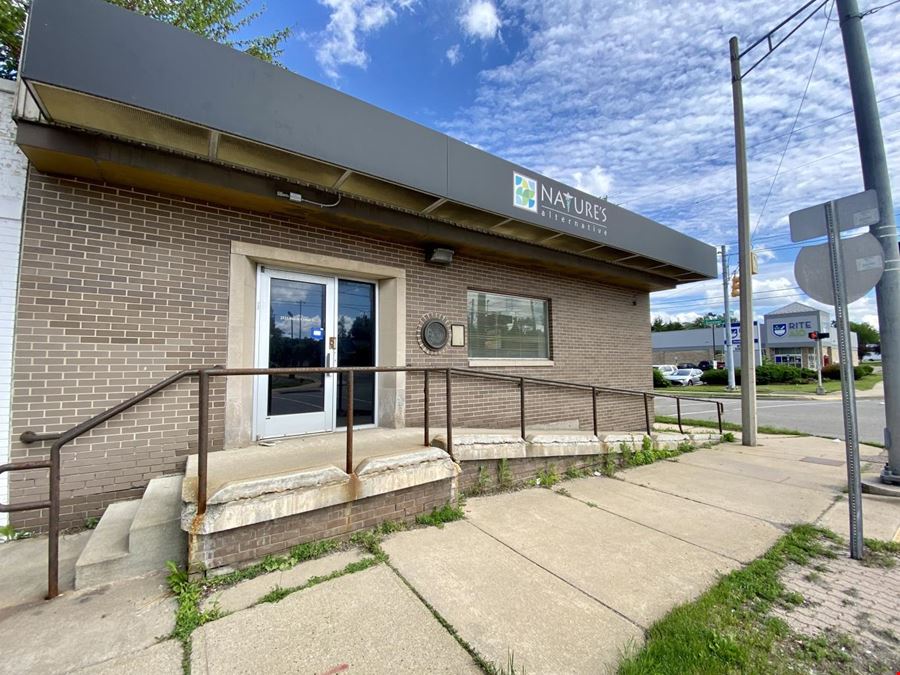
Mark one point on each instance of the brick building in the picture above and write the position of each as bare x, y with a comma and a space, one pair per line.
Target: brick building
190, 206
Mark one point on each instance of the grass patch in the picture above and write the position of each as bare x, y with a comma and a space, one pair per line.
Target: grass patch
727, 629
548, 477
864, 383
729, 426
881, 553
278, 593
504, 474
297, 555
445, 514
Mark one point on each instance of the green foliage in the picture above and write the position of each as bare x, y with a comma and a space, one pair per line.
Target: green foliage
188, 616
646, 444
726, 630
91, 522
445, 514
10, 533
278, 593
728, 437
298, 554
504, 474
481, 482
766, 373
609, 465
219, 20
881, 553
868, 335
833, 371
548, 477
627, 452
659, 381
12, 23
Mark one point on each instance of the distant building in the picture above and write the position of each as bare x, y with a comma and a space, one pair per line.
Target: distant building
784, 334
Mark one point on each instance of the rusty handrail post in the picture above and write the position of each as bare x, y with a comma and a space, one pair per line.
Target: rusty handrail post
719, 407
647, 413
202, 439
53, 527
678, 408
349, 422
522, 407
449, 413
594, 407
426, 420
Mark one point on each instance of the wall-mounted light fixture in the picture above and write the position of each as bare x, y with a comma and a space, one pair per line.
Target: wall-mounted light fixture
439, 256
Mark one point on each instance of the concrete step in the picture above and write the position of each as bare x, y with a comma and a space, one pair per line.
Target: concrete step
156, 535
135, 537
102, 558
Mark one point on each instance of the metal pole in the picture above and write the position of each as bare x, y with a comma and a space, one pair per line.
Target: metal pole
875, 176
678, 408
202, 439
729, 348
848, 388
427, 432
449, 413
53, 529
349, 465
647, 413
819, 388
522, 407
748, 356
594, 407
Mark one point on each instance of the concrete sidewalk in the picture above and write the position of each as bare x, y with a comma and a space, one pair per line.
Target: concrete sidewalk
562, 580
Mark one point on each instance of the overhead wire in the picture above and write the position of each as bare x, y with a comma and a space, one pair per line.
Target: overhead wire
794, 124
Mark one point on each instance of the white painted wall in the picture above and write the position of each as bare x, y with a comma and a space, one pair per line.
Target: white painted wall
13, 167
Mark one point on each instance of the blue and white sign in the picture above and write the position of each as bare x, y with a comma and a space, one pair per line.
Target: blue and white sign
318, 333
779, 329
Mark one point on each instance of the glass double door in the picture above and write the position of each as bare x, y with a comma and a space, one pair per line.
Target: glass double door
307, 321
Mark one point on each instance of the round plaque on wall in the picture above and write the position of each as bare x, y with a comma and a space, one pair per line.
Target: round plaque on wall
433, 333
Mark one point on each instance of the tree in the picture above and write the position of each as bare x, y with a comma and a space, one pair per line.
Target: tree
867, 334
12, 21
660, 326
219, 20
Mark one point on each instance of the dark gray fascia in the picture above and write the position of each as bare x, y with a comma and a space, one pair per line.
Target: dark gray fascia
99, 49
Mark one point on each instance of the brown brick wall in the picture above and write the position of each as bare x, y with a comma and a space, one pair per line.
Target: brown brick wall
120, 288
243, 545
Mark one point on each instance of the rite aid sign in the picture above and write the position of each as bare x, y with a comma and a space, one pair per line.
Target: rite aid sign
791, 329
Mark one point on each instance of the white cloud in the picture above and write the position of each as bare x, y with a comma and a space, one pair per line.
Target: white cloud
591, 97
480, 19
350, 22
595, 182
454, 55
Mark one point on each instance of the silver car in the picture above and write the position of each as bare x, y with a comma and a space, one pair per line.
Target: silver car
686, 377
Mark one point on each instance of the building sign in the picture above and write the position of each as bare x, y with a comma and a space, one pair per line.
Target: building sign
791, 329
558, 205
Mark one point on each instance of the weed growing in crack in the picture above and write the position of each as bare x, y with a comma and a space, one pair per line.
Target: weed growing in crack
445, 514
548, 477
504, 474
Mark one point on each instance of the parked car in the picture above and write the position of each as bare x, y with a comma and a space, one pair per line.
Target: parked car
666, 370
686, 377
706, 365
872, 356
687, 366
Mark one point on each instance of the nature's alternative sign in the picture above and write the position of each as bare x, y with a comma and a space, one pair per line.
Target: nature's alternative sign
559, 205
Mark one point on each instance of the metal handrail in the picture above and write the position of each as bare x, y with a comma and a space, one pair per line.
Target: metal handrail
204, 374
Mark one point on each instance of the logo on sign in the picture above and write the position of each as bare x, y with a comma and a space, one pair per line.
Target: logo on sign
779, 329
524, 192
318, 333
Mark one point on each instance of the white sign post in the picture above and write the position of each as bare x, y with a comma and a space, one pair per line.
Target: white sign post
861, 270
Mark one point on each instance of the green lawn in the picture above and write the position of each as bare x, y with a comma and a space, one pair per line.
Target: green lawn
862, 384
730, 629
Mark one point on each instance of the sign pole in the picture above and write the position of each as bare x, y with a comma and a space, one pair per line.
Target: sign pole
848, 388
876, 176
729, 348
820, 390
748, 367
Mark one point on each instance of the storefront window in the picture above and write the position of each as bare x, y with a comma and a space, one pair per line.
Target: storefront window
507, 327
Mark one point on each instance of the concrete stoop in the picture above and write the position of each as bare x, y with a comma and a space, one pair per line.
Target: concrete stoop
487, 445
135, 537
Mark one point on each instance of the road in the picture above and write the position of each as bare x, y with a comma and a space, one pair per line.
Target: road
822, 418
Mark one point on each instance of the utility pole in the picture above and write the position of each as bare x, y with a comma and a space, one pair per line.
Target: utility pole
729, 348
748, 355
876, 177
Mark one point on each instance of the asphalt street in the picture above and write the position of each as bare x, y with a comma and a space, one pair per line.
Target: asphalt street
822, 418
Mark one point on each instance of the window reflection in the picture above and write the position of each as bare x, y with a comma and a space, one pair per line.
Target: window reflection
356, 347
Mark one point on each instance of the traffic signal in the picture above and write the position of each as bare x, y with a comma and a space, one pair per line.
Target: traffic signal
813, 335
735, 286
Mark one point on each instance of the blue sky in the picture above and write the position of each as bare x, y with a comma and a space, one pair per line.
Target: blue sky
625, 99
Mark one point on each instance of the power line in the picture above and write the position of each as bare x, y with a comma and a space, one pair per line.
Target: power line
794, 124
